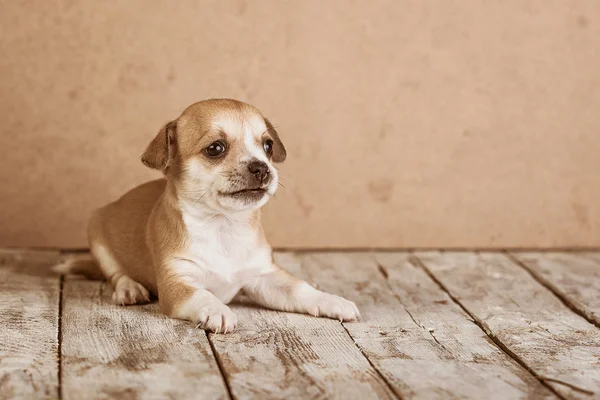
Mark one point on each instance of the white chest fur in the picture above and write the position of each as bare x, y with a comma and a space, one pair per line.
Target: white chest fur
224, 254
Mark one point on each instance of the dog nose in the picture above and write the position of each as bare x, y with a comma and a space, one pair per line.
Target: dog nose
259, 169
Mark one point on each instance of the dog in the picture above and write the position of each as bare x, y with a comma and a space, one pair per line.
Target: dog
194, 239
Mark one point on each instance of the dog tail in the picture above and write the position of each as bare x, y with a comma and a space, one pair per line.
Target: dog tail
79, 266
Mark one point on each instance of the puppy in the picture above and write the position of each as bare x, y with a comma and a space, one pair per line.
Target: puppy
195, 238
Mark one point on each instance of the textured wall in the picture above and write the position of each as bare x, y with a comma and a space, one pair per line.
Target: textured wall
408, 123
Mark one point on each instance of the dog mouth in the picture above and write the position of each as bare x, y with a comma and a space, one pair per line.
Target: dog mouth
247, 194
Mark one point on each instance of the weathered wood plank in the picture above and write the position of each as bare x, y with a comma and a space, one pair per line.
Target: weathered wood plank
29, 308
412, 332
558, 345
275, 355
110, 351
573, 277
594, 255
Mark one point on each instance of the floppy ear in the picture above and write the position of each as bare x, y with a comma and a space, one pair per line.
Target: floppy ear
279, 153
159, 151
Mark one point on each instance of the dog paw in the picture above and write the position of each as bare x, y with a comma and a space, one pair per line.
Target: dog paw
335, 307
217, 318
130, 292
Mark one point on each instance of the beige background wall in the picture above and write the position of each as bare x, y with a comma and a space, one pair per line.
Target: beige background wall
408, 123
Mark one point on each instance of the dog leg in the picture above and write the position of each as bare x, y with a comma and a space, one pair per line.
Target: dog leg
182, 297
127, 291
280, 290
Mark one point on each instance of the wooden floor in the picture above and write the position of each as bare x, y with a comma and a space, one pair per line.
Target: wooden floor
436, 325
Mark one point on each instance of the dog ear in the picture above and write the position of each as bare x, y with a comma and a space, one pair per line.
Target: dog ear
159, 151
279, 153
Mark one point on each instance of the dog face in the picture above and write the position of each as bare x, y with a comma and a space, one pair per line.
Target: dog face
220, 155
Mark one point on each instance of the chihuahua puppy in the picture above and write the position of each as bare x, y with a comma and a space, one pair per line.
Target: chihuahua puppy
195, 238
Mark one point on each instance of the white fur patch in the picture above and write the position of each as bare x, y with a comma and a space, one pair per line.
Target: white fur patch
207, 311
108, 264
223, 254
254, 151
321, 304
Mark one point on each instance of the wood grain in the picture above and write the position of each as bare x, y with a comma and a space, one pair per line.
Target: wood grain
573, 277
278, 355
559, 346
131, 352
29, 309
412, 332
594, 255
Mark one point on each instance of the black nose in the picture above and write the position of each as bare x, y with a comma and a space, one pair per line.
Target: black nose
259, 170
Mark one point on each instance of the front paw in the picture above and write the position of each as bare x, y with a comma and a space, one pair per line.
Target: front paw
217, 318
336, 307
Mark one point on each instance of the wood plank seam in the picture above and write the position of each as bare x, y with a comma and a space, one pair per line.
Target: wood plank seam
29, 302
377, 371
484, 327
132, 352
553, 289
219, 364
386, 275
59, 336
388, 384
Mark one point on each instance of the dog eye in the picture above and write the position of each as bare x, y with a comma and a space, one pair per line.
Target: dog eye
268, 146
215, 149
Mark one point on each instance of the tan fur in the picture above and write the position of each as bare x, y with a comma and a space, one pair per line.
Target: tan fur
188, 238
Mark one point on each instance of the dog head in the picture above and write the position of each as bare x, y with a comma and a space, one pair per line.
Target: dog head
219, 154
